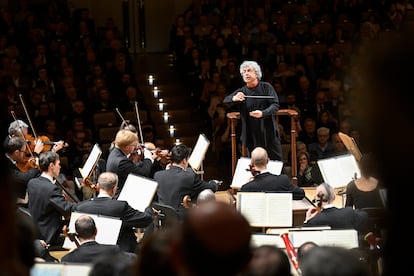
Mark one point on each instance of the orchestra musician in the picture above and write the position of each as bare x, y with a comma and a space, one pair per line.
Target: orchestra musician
47, 202
15, 150
326, 214
118, 161
258, 103
89, 249
264, 181
105, 204
180, 180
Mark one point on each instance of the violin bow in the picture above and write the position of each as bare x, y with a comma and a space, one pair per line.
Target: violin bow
139, 122
27, 115
21, 131
122, 118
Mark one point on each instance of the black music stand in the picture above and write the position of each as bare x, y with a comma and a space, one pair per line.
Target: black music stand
167, 216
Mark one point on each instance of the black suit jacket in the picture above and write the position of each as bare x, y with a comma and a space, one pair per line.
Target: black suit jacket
130, 217
175, 183
20, 179
88, 252
267, 182
118, 163
47, 206
340, 218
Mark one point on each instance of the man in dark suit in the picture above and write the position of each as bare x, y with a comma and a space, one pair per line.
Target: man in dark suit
89, 249
180, 180
47, 203
264, 181
105, 204
126, 142
326, 214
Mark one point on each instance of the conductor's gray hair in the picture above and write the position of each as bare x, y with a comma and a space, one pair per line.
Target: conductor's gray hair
254, 65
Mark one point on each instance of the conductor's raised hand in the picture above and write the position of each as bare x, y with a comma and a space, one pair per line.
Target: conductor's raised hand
239, 97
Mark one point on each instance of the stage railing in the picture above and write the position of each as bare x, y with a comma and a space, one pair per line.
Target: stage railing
234, 116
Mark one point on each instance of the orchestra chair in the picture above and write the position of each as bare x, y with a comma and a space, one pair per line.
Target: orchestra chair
104, 119
167, 216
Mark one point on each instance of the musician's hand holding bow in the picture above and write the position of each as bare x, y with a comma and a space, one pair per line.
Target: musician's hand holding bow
239, 97
57, 146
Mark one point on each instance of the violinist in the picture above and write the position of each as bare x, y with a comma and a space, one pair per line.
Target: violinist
22, 169
126, 142
47, 201
326, 214
264, 181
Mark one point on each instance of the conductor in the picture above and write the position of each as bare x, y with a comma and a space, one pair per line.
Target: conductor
258, 104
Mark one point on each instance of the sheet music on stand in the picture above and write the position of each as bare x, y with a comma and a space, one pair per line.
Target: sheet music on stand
90, 163
108, 229
138, 191
338, 171
198, 153
242, 174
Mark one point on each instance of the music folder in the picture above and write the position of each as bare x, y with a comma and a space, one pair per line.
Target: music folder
338, 171
199, 152
138, 191
90, 163
108, 229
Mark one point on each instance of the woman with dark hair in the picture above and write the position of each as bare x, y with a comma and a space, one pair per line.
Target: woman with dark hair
309, 174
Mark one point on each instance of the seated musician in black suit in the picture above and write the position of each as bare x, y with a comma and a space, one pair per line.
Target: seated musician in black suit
180, 180
105, 204
89, 249
326, 214
264, 181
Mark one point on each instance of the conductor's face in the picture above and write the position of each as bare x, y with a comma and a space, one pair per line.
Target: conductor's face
249, 75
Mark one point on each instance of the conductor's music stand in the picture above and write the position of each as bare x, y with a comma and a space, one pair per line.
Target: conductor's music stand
167, 216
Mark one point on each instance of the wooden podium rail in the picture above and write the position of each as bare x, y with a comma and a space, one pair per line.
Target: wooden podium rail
234, 116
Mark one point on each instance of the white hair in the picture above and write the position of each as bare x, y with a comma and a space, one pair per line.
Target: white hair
16, 126
254, 65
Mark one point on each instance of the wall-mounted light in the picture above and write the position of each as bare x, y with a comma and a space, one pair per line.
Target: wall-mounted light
160, 104
171, 130
155, 91
177, 141
165, 117
150, 79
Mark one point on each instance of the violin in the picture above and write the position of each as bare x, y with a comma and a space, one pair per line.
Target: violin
71, 236
31, 141
253, 170
187, 202
28, 164
320, 197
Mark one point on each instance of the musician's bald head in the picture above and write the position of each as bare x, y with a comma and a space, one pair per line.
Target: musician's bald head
217, 233
259, 157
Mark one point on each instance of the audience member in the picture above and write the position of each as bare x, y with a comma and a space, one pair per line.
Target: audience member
332, 260
323, 148
217, 232
304, 249
113, 265
268, 260
264, 181
309, 174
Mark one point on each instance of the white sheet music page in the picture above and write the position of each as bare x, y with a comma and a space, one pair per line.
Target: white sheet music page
242, 174
108, 229
199, 152
138, 191
340, 170
91, 162
266, 209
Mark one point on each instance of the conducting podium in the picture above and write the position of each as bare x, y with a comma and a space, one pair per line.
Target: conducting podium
235, 116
